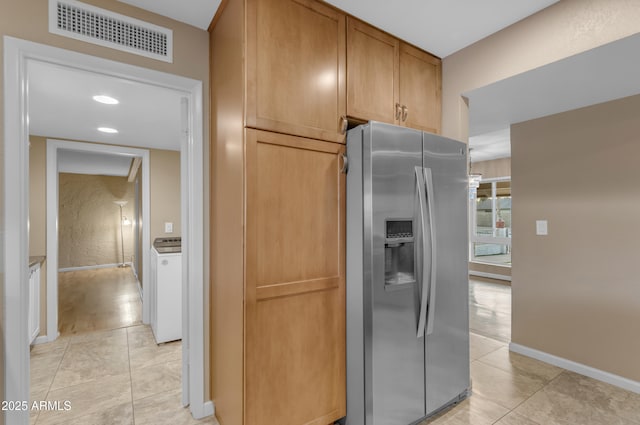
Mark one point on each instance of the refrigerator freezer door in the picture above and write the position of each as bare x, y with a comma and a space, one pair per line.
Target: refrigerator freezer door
394, 356
447, 346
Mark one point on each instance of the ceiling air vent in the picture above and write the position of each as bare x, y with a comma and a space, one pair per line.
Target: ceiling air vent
77, 20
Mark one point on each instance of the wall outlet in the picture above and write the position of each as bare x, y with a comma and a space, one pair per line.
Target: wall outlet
541, 228
168, 227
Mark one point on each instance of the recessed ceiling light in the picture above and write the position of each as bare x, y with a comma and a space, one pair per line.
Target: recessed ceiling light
106, 100
107, 130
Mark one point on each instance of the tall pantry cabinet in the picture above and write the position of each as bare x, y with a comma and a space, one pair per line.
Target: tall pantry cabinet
278, 213
285, 77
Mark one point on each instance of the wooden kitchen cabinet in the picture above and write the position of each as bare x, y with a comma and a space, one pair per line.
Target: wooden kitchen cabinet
295, 276
391, 81
296, 68
372, 73
277, 214
420, 89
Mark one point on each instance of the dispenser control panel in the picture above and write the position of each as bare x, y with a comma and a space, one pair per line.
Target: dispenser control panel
399, 255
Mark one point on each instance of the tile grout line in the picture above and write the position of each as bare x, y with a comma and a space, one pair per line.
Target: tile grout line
133, 413
46, 394
528, 398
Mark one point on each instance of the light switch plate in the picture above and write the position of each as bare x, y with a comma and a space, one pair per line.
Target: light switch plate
168, 227
541, 228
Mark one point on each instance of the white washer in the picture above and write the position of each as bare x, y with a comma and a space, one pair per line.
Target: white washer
165, 296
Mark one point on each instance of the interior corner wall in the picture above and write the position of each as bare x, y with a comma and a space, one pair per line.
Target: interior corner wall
564, 29
490, 269
89, 221
493, 169
575, 291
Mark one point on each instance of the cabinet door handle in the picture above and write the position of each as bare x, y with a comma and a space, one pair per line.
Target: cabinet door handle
398, 109
345, 164
405, 112
344, 123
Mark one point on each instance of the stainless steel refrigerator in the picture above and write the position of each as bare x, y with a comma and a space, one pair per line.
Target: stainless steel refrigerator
407, 275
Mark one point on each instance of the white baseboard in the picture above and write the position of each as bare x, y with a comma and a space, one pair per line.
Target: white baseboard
490, 275
206, 410
41, 340
97, 266
580, 368
209, 408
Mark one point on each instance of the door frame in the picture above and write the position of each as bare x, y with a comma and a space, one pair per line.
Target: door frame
17, 54
53, 145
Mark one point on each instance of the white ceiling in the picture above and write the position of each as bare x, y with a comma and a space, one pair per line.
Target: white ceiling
441, 27
61, 106
198, 13
76, 162
148, 116
493, 145
437, 26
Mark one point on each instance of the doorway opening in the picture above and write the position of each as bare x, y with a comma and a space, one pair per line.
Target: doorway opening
81, 252
19, 56
102, 218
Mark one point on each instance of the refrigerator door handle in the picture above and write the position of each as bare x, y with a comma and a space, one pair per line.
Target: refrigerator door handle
420, 190
428, 177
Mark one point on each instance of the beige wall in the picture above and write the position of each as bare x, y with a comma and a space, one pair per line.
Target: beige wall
164, 187
38, 218
89, 221
164, 194
503, 271
564, 29
492, 169
575, 291
561, 307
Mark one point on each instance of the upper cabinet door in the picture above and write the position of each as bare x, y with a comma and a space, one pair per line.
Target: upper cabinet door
372, 70
296, 68
420, 89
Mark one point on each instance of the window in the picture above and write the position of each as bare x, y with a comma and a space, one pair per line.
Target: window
490, 222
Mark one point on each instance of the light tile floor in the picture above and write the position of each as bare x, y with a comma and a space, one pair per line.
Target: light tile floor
110, 377
510, 389
122, 377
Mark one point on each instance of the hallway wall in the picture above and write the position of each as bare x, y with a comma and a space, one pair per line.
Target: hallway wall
89, 221
164, 186
164, 200
575, 291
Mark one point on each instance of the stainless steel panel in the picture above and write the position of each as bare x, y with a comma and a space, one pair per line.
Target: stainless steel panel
393, 376
394, 356
424, 223
447, 347
355, 314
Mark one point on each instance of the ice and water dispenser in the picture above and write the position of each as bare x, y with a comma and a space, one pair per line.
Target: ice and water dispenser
399, 255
